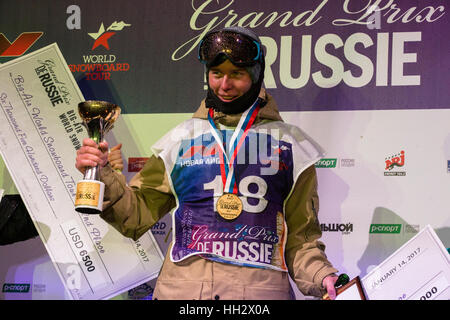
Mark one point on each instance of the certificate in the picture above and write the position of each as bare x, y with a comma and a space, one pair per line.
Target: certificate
419, 270
41, 130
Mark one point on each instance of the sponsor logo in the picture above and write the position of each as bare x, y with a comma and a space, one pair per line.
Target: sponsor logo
335, 163
141, 292
393, 163
19, 46
159, 228
136, 164
102, 36
326, 163
38, 287
344, 228
347, 163
394, 228
102, 66
16, 287
385, 228
411, 228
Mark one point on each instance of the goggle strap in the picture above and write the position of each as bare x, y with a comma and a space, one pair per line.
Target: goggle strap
259, 51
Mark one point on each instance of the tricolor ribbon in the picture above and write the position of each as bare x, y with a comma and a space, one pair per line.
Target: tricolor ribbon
227, 157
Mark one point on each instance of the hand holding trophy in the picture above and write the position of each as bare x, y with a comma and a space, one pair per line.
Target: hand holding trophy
98, 118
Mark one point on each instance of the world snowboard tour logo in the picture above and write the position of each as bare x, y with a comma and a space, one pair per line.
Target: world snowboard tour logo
101, 66
102, 36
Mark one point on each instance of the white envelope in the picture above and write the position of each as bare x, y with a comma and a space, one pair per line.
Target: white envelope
419, 270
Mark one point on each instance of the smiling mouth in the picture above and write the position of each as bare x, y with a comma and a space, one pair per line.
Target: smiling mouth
227, 98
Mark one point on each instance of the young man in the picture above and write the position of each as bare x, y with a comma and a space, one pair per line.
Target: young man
243, 185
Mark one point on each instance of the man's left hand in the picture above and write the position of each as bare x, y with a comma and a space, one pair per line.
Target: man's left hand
328, 283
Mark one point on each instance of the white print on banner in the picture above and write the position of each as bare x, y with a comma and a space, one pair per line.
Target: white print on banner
73, 277
281, 49
206, 150
73, 22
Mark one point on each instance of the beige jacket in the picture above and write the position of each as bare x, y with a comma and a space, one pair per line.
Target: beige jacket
132, 209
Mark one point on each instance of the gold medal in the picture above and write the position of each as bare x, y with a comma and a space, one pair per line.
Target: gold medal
229, 206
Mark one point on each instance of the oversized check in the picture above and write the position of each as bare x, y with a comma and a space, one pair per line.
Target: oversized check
419, 270
40, 132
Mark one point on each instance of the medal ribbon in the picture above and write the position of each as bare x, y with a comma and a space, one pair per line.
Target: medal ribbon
237, 139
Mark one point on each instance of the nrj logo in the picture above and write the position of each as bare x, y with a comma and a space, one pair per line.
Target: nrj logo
394, 162
101, 36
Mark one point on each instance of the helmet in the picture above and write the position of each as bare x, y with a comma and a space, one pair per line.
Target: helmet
244, 49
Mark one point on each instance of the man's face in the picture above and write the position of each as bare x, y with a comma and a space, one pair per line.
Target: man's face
229, 82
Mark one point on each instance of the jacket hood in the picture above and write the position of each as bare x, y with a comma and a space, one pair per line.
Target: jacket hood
268, 112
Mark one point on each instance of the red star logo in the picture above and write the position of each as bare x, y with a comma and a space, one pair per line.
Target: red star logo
103, 40
101, 36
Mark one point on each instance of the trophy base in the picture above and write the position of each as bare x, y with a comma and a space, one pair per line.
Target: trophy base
89, 197
87, 210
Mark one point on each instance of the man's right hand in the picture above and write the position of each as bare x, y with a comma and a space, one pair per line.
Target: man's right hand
90, 155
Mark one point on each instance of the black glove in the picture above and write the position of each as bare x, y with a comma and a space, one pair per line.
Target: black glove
15, 222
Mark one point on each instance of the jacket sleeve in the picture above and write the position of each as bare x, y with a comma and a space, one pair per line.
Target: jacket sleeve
305, 257
134, 208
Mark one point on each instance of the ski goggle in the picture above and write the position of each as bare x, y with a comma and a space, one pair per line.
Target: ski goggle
240, 49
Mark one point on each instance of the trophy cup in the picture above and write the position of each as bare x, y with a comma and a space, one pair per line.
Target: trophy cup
98, 118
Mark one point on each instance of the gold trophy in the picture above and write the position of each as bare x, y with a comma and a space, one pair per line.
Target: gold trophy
98, 118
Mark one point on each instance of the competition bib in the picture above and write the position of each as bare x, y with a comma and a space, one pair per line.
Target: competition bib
231, 186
